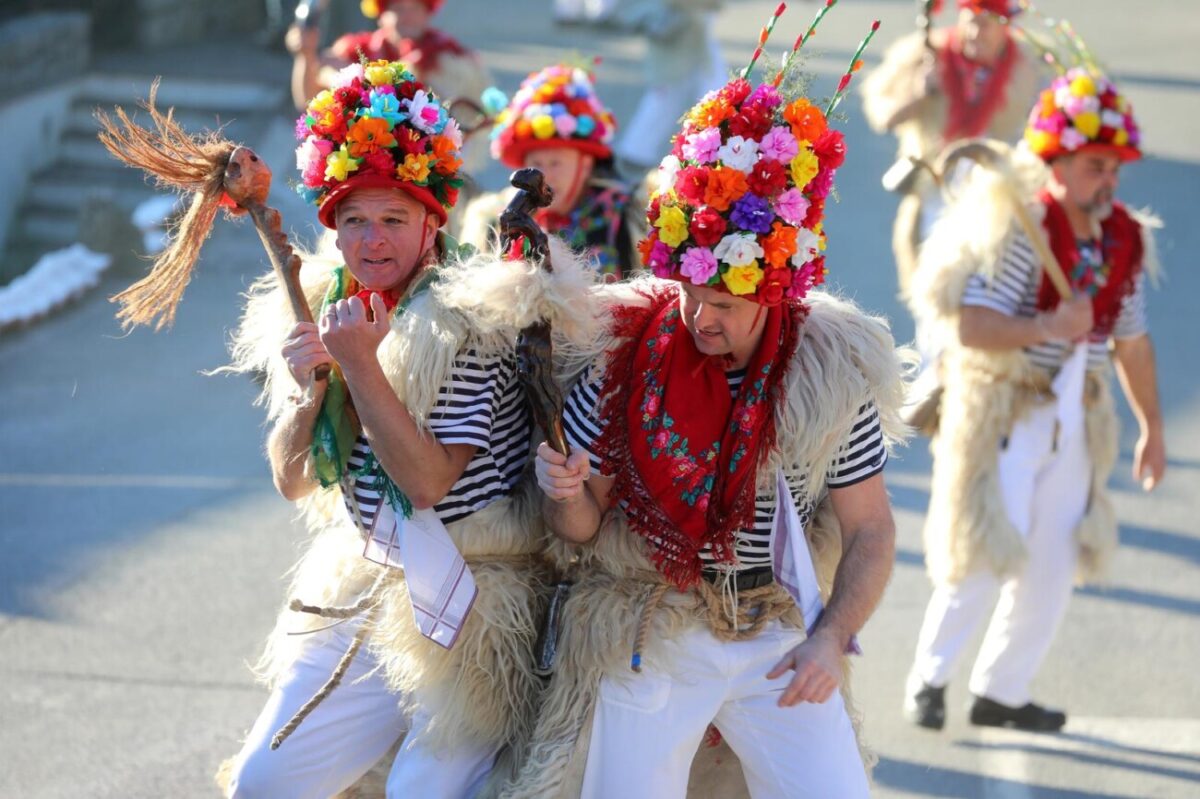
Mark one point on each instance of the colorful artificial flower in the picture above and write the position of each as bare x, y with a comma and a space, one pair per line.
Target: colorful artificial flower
672, 226
381, 127
698, 265
1082, 110
554, 107
742, 280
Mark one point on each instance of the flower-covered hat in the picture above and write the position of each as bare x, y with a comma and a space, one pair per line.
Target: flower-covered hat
378, 126
555, 107
1082, 110
373, 8
741, 197
1001, 8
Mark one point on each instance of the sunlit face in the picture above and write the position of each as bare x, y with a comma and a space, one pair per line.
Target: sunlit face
405, 19
720, 323
383, 234
1089, 181
983, 35
566, 170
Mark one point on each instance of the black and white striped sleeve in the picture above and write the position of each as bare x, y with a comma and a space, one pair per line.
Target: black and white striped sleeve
1132, 321
465, 408
580, 422
1011, 286
863, 453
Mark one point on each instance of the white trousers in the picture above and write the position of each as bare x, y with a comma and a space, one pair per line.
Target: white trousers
647, 727
346, 735
1045, 486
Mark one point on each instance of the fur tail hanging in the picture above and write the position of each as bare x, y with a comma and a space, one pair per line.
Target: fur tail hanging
177, 160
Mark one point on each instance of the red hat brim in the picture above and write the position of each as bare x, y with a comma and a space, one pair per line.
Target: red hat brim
373, 180
513, 154
1125, 152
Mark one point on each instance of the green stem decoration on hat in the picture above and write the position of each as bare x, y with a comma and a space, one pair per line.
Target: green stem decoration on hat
802, 39
855, 66
762, 38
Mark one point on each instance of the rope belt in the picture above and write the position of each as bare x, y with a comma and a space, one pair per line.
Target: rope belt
754, 609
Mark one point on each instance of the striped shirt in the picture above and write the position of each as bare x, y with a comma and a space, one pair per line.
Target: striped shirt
481, 404
1013, 292
862, 455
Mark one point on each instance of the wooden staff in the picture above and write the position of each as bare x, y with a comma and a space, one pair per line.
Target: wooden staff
987, 156
535, 351
218, 173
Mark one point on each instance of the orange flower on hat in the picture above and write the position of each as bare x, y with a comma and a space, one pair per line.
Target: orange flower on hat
807, 121
725, 187
445, 155
367, 135
712, 113
780, 246
415, 168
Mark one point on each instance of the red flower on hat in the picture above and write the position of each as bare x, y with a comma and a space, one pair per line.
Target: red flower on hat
707, 227
751, 122
816, 212
830, 148
691, 184
768, 178
736, 90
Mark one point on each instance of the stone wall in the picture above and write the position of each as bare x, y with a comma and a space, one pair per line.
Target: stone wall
162, 23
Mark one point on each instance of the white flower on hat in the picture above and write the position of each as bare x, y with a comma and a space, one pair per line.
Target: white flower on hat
1112, 119
807, 243
739, 153
668, 170
738, 249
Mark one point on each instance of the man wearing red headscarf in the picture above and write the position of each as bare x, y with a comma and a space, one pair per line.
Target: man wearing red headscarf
939, 86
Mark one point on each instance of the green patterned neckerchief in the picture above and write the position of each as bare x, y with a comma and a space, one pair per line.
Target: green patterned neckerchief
336, 429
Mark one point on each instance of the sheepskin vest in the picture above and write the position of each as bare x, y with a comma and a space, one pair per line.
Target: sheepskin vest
482, 691
986, 391
843, 358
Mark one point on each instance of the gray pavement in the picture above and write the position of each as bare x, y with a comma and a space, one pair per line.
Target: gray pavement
142, 547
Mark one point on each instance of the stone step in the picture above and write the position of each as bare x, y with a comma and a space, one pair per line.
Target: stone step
78, 150
67, 188
36, 223
228, 98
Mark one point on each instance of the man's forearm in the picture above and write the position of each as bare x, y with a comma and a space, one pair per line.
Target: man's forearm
984, 328
417, 462
1138, 373
576, 520
288, 448
862, 575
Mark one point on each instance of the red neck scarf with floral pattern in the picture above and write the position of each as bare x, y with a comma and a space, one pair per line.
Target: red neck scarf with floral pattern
1109, 283
687, 454
970, 105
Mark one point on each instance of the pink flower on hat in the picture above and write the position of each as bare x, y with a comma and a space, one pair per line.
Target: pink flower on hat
779, 145
702, 146
698, 264
792, 206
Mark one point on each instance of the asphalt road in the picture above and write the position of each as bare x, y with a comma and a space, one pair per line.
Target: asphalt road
142, 547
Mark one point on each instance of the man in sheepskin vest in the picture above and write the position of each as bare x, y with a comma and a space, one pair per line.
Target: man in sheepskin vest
728, 430
420, 589
972, 79
557, 124
1027, 435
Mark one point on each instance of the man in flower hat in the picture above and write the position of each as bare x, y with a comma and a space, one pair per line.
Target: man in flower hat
1032, 283
937, 86
405, 33
728, 429
557, 124
407, 459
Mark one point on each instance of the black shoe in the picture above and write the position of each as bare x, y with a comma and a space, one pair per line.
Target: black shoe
927, 707
986, 713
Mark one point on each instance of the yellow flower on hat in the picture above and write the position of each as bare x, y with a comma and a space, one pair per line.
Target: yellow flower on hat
1088, 123
672, 226
804, 166
1083, 86
415, 168
1121, 137
339, 164
543, 126
379, 73
743, 279
322, 101
1041, 141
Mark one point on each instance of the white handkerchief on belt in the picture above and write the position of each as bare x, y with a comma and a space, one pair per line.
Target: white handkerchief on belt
792, 563
440, 586
1068, 387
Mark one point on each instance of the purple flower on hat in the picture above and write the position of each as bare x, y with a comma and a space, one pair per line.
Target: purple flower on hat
792, 207
779, 145
698, 265
660, 259
702, 146
753, 213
